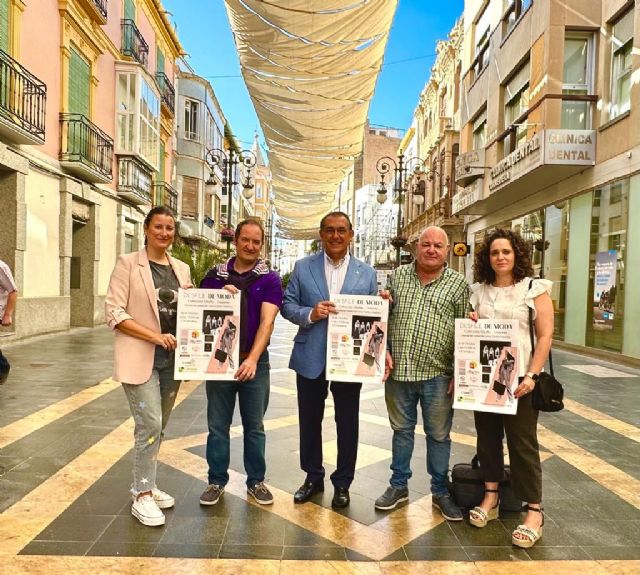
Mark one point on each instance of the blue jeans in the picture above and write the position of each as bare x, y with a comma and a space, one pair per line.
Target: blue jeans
253, 398
402, 399
151, 403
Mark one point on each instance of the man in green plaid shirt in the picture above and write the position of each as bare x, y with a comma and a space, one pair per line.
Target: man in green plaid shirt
427, 297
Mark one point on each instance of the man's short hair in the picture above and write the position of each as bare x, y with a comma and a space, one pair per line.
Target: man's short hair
246, 222
336, 213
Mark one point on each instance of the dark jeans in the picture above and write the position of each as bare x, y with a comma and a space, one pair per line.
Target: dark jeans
253, 399
522, 442
312, 394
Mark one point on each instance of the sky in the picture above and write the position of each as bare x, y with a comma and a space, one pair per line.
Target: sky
205, 33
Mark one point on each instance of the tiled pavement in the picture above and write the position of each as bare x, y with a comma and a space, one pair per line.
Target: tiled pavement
65, 466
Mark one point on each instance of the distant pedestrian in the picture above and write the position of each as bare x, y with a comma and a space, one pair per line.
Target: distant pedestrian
8, 299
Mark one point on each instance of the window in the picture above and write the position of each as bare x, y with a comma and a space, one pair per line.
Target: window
149, 124
258, 191
622, 43
577, 80
512, 12
210, 131
4, 25
138, 117
480, 130
79, 82
159, 60
516, 96
482, 44
191, 120
189, 197
610, 221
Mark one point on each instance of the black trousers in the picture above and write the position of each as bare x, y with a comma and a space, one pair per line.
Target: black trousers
312, 394
522, 442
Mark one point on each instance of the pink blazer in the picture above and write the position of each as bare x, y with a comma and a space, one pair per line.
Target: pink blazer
131, 295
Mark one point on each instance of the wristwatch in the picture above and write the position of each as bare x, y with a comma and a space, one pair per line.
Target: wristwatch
532, 376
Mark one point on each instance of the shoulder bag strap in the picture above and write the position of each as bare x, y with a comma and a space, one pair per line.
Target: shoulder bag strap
533, 345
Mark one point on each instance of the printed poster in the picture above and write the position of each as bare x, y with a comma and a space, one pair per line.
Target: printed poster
604, 290
357, 339
382, 277
486, 365
208, 334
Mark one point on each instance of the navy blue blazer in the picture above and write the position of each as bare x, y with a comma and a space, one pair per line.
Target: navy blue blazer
307, 286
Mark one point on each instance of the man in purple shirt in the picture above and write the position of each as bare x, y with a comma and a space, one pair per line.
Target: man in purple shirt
261, 298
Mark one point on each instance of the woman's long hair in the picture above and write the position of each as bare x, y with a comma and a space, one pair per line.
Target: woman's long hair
522, 268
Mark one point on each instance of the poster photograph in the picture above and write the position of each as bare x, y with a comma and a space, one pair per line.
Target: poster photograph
357, 339
208, 333
486, 365
604, 290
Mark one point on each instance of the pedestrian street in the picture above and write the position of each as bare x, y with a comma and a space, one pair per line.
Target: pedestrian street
66, 459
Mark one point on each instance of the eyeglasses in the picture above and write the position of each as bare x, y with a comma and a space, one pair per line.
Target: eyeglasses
339, 231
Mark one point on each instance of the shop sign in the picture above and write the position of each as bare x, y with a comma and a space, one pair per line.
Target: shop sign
467, 196
574, 147
517, 163
604, 290
469, 166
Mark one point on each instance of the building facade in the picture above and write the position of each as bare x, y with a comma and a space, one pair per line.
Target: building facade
431, 148
549, 146
85, 147
200, 128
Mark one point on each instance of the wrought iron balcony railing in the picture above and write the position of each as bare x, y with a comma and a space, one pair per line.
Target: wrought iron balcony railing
23, 100
84, 144
167, 91
165, 195
134, 180
133, 44
101, 6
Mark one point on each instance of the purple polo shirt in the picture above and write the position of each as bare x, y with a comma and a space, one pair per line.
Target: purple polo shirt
267, 288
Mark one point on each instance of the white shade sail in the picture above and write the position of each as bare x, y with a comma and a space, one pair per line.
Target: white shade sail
310, 67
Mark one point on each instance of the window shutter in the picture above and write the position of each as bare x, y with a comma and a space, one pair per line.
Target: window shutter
79, 81
189, 197
4, 25
130, 10
159, 60
161, 171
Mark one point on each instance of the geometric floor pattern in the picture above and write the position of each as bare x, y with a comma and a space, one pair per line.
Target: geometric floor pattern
65, 471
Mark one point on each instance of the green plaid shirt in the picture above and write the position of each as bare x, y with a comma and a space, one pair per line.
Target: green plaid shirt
421, 322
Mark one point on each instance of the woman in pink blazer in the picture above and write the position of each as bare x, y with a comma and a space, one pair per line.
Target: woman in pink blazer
141, 307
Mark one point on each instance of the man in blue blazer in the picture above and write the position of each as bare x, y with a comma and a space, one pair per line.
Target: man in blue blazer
307, 303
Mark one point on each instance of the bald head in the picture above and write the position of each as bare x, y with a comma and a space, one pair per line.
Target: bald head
435, 231
432, 250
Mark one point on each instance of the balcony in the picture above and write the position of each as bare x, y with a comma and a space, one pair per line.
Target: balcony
23, 100
167, 92
165, 195
134, 180
85, 150
438, 214
96, 10
133, 44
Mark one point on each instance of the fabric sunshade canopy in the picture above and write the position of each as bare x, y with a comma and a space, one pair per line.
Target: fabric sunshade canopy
310, 67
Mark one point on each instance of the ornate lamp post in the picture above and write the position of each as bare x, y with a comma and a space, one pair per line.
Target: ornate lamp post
401, 169
228, 162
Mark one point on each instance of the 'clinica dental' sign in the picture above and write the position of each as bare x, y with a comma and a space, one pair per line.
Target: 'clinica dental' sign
548, 147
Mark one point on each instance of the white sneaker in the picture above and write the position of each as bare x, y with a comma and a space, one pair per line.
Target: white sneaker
163, 499
146, 510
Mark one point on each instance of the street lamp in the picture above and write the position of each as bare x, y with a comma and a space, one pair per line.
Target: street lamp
401, 168
228, 162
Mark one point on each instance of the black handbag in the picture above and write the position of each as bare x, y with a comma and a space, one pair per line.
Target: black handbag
548, 392
5, 367
467, 487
